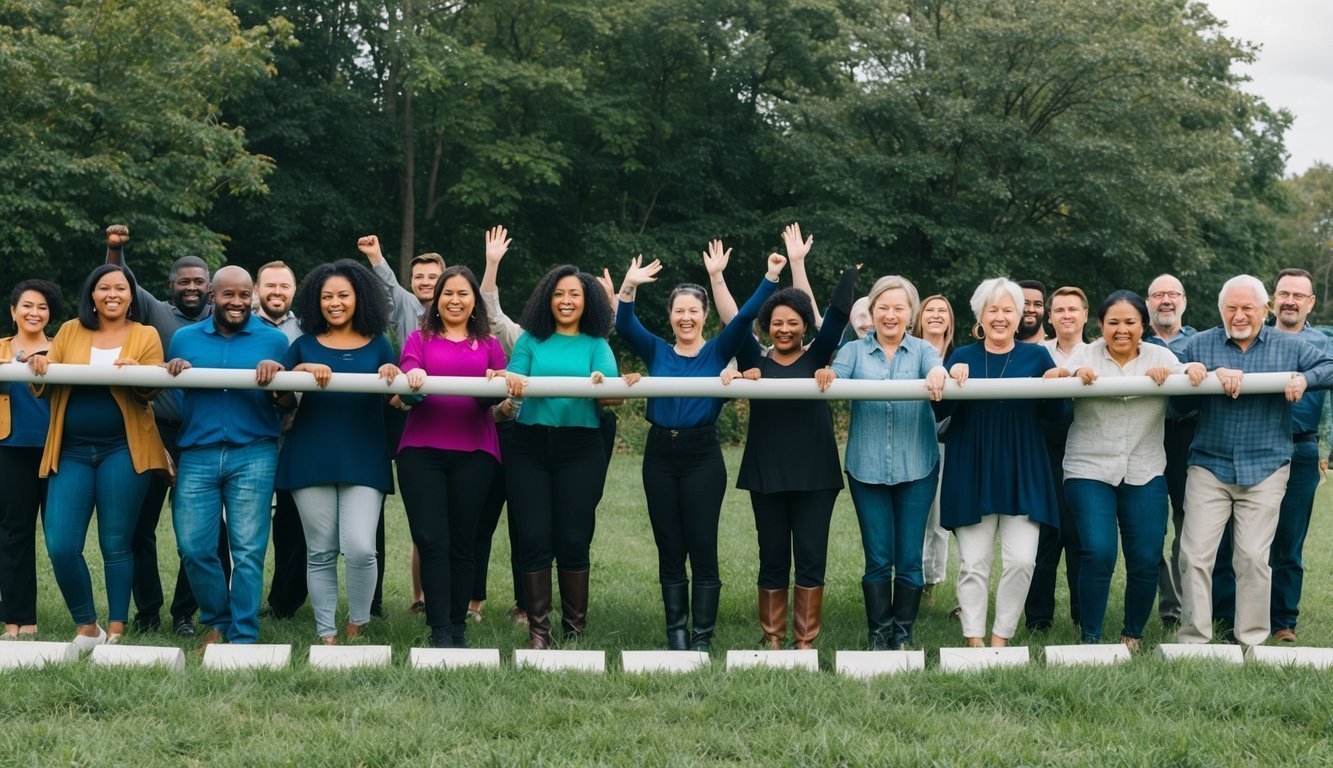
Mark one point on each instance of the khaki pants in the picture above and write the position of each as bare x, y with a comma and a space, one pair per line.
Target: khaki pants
1209, 505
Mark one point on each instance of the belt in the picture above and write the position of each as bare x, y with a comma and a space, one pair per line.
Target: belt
684, 431
1305, 437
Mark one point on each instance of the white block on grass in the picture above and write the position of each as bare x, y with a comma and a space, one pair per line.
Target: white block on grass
34, 655
662, 661
968, 659
807, 659
864, 665
1278, 656
559, 661
1229, 654
454, 658
350, 656
1084, 655
139, 656
245, 656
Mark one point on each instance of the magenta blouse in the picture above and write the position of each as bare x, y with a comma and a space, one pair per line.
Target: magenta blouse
448, 422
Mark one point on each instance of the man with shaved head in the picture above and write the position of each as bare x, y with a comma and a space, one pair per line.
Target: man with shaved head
229, 456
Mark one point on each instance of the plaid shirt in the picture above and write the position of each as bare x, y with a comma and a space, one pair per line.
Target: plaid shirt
1243, 441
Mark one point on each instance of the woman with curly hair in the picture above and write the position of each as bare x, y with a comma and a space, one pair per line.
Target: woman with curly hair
338, 478
557, 463
790, 465
449, 451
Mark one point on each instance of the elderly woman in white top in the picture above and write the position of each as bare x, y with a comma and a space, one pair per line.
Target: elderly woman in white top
1114, 465
892, 459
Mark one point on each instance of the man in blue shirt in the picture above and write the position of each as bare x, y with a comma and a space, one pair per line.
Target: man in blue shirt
229, 456
1293, 300
1166, 311
1240, 459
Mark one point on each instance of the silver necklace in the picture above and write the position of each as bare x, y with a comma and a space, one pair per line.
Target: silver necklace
986, 360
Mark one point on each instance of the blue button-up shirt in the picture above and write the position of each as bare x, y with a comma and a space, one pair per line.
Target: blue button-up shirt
1306, 413
1177, 342
890, 441
227, 416
1243, 441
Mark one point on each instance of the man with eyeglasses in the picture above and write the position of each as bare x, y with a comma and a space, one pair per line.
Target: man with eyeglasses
1166, 310
1293, 300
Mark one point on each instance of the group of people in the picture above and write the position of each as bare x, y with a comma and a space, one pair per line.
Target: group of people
1085, 478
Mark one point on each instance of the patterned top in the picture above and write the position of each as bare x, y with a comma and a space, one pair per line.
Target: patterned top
1243, 441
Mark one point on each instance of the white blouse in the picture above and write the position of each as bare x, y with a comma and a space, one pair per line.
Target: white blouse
1118, 440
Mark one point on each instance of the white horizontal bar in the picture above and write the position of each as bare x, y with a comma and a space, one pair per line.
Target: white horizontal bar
650, 386
865, 665
1229, 654
453, 658
561, 661
807, 659
36, 654
969, 659
139, 656
1277, 656
641, 662
1095, 655
226, 656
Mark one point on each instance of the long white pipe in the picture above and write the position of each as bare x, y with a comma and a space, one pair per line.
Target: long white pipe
649, 386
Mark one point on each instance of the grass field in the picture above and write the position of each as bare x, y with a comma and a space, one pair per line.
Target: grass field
1147, 712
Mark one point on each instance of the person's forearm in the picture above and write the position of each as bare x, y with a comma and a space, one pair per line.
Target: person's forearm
723, 300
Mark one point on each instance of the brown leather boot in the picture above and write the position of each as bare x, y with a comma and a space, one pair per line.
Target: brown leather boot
537, 596
806, 609
773, 617
573, 603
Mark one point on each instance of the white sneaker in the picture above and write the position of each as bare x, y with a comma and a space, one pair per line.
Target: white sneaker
85, 643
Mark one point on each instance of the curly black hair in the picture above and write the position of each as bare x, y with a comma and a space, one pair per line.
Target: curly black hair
793, 298
88, 312
478, 323
49, 291
370, 317
597, 319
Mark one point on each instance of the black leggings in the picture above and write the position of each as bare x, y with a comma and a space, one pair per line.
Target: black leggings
490, 520
792, 523
684, 479
21, 497
443, 493
555, 477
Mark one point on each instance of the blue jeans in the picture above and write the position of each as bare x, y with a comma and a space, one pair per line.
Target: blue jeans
238, 478
1293, 523
1139, 513
102, 477
893, 527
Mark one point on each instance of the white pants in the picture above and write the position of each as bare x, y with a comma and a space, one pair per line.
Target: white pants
976, 552
935, 552
1253, 510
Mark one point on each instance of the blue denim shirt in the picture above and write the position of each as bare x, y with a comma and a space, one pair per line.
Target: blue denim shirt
1243, 441
890, 441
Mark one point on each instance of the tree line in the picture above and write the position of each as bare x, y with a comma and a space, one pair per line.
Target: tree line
1076, 142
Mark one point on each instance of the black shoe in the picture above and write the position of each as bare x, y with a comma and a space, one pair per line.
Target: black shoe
146, 623
183, 626
377, 610
1040, 625
441, 637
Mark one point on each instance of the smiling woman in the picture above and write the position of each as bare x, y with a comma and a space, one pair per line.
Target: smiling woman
101, 446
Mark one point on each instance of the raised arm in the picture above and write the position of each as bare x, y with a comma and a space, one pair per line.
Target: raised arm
734, 334
505, 329
369, 246
797, 249
836, 316
627, 321
715, 262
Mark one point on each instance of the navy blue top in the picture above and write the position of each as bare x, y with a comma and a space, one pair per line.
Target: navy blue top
93, 417
337, 437
663, 360
29, 418
997, 461
227, 416
1306, 412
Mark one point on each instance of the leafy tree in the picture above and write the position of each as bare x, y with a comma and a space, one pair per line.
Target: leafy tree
112, 115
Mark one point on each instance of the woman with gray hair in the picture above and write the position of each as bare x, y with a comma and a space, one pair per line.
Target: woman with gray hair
892, 459
997, 481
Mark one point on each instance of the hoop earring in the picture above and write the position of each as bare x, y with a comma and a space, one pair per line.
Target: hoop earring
977, 332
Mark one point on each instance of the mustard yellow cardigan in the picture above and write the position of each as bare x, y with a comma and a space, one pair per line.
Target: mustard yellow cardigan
74, 344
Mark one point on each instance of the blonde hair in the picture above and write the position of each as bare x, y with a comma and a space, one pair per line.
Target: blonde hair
919, 325
1071, 290
891, 282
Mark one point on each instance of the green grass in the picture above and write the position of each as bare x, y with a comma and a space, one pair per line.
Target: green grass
1146, 713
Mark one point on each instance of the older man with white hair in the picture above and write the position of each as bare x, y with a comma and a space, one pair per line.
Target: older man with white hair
1240, 458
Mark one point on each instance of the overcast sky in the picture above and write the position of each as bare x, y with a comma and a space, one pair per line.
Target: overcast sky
1294, 70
